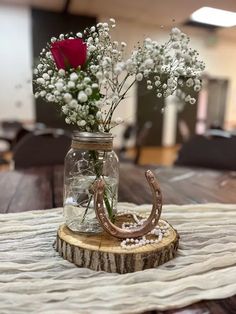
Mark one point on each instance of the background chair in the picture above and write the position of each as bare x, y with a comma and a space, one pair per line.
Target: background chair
208, 152
41, 148
139, 136
140, 140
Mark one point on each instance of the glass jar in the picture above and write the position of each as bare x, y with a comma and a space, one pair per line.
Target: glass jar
91, 156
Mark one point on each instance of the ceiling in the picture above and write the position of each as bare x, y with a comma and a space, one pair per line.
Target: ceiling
156, 12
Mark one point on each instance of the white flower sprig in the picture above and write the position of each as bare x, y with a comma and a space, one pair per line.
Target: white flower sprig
89, 94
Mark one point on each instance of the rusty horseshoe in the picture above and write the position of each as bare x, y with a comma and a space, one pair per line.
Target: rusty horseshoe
147, 226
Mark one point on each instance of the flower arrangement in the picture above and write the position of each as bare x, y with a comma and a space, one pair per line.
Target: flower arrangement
88, 74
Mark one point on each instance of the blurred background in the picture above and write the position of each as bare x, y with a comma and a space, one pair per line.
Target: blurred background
149, 135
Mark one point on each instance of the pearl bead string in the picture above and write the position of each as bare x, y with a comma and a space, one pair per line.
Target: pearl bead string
159, 231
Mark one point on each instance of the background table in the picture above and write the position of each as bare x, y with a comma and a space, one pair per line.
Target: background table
41, 188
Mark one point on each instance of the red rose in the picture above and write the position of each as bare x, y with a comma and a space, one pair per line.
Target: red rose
69, 53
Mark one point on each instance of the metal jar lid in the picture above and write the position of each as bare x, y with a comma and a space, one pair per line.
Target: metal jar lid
92, 141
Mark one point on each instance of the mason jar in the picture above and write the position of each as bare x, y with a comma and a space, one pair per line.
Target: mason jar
91, 157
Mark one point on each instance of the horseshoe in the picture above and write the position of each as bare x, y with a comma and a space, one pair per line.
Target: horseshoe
149, 224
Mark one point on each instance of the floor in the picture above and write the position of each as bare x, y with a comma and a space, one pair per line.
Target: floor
7, 156
164, 156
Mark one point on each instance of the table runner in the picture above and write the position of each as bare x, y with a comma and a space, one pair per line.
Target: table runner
34, 279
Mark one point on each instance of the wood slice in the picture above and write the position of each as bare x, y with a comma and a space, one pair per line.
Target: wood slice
103, 252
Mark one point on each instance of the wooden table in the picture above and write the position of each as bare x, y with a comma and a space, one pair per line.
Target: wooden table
41, 188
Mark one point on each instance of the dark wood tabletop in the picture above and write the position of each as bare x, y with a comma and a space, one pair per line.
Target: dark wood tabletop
41, 188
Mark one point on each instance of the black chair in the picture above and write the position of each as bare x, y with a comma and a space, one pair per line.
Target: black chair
140, 140
139, 135
11, 124
41, 148
208, 152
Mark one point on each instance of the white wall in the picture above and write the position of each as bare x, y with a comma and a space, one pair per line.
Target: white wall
16, 100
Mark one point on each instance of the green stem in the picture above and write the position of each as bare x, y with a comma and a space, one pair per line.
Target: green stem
98, 172
87, 207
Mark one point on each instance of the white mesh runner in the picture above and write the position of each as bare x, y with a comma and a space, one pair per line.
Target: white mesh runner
34, 279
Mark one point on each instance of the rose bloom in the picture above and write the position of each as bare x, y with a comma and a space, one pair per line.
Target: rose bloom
69, 53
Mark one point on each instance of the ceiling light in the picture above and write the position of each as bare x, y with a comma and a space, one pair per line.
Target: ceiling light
214, 16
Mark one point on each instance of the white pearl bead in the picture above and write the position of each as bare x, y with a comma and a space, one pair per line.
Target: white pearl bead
159, 231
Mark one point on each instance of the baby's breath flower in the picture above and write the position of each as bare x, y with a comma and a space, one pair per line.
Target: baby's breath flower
192, 101
149, 64
89, 94
40, 80
64, 109
175, 31
88, 91
46, 76
67, 97
99, 75
112, 20
188, 98
42, 93
190, 82
73, 103
197, 88
119, 120
59, 86
79, 35
81, 123
91, 48
73, 76
139, 77
87, 80
71, 84
68, 121
99, 104
99, 115
61, 72
94, 85
82, 97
